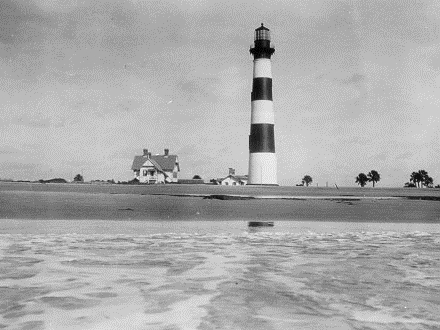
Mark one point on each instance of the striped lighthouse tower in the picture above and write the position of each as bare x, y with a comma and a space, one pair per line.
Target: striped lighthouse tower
262, 158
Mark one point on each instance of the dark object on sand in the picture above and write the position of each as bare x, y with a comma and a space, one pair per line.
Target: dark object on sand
260, 224
228, 197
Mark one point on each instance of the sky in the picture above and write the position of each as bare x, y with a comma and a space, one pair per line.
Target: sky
85, 85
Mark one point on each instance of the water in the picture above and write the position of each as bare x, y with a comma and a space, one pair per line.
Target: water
58, 274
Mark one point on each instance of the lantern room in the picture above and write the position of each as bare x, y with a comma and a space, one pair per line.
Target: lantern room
262, 47
262, 33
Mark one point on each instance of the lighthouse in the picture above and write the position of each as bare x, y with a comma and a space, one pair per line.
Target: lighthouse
262, 157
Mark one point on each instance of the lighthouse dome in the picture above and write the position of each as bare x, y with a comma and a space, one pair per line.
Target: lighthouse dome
262, 33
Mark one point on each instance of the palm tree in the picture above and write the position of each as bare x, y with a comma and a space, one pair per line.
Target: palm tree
373, 176
415, 178
421, 178
422, 174
425, 179
307, 179
428, 181
361, 179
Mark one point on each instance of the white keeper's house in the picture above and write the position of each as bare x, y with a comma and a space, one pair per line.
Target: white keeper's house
152, 169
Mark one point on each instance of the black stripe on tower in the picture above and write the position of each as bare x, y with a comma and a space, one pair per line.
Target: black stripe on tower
262, 49
261, 89
262, 138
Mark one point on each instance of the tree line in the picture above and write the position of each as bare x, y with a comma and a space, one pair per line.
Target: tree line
417, 179
373, 176
420, 179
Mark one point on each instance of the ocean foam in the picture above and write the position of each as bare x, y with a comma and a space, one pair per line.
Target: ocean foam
293, 275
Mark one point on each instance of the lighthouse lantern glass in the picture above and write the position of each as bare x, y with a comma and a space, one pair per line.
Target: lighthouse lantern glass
262, 35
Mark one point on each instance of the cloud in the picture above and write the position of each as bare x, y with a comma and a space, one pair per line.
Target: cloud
383, 156
194, 89
10, 18
354, 79
393, 19
21, 22
64, 6
7, 150
359, 140
126, 28
37, 120
404, 155
20, 170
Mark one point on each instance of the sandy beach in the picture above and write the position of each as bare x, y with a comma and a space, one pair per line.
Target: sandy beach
205, 202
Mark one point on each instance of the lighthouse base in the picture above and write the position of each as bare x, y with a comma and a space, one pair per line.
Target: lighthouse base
262, 169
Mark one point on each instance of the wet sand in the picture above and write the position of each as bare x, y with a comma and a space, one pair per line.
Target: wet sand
203, 202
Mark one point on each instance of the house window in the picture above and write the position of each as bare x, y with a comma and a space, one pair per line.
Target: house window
227, 183
152, 173
145, 173
234, 183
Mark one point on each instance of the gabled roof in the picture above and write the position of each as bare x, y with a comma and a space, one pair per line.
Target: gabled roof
157, 165
235, 177
161, 162
149, 161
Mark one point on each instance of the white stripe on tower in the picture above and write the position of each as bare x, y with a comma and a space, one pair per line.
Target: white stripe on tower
262, 68
262, 157
262, 112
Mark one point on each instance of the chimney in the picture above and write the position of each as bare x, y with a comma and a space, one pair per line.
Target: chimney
145, 152
166, 151
231, 171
